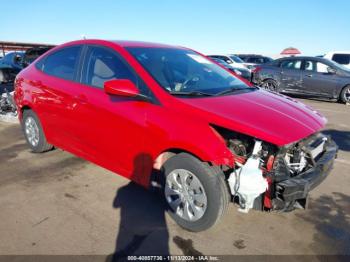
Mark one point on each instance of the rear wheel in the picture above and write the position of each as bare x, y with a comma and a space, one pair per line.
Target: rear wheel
270, 85
34, 133
345, 94
196, 194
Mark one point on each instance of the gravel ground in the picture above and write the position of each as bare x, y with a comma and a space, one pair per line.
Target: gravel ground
56, 203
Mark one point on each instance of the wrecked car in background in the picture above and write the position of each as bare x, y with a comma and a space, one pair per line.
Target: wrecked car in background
171, 118
12, 60
307, 76
10, 66
7, 77
33, 53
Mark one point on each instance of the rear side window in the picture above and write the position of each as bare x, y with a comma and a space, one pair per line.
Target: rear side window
291, 64
342, 59
63, 63
256, 60
267, 60
103, 64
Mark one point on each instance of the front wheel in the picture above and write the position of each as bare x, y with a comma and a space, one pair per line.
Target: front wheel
196, 194
345, 94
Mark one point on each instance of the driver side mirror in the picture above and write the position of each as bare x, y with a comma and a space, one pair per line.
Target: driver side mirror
121, 87
124, 88
331, 70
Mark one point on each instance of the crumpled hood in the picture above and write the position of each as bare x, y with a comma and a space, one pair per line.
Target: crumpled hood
270, 117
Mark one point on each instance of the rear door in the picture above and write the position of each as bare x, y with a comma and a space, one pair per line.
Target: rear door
317, 80
290, 76
54, 93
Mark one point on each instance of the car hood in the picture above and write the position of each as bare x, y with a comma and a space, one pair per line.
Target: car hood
270, 117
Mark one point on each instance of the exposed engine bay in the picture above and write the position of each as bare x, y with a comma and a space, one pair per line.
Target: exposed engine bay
267, 177
7, 105
8, 110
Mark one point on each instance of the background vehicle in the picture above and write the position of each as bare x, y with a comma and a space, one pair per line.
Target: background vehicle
252, 60
242, 72
231, 60
33, 53
8, 75
341, 57
12, 60
310, 76
167, 115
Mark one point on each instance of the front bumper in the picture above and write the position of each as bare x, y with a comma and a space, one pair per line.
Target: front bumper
292, 193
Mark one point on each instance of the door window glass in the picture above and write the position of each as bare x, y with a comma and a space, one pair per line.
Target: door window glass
62, 63
322, 68
291, 64
310, 65
102, 65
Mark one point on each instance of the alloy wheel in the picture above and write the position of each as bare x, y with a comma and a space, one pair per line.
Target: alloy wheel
31, 131
185, 195
347, 95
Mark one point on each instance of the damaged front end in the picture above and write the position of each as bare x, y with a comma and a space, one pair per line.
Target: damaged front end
299, 168
267, 177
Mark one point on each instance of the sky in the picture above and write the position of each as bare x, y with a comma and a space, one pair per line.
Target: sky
209, 26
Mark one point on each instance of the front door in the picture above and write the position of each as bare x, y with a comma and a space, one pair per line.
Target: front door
112, 127
317, 80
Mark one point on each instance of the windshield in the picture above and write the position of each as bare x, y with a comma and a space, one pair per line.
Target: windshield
181, 71
236, 59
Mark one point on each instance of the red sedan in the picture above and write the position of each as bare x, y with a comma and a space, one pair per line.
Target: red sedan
168, 116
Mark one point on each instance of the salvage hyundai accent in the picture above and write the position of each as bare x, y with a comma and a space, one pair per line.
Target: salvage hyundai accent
170, 118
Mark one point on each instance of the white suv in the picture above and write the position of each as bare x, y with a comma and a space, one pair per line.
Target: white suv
341, 57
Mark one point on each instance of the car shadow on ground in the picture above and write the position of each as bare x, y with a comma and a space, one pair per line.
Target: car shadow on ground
342, 138
330, 215
142, 229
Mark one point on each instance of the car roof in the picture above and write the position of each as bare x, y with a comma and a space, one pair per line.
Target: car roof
303, 58
251, 55
123, 43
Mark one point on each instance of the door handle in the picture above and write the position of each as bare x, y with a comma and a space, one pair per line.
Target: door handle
309, 75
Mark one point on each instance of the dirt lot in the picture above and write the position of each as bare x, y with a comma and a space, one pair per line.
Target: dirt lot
55, 203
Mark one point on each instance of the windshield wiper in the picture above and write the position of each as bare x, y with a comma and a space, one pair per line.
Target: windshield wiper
231, 90
190, 93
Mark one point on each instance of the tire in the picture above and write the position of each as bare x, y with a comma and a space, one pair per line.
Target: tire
270, 85
212, 183
345, 95
33, 132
